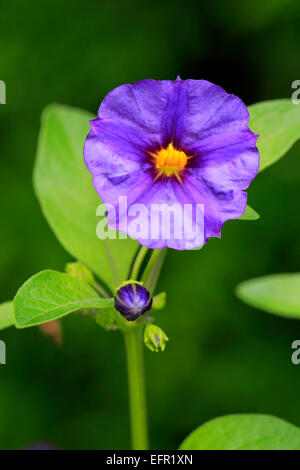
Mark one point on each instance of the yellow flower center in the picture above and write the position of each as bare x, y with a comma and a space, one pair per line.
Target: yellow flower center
169, 161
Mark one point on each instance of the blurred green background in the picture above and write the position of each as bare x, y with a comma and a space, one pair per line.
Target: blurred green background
223, 357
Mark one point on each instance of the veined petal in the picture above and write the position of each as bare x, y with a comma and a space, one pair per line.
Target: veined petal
221, 203
164, 215
210, 112
146, 110
118, 164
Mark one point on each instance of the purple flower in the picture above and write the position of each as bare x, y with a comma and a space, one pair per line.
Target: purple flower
182, 143
133, 300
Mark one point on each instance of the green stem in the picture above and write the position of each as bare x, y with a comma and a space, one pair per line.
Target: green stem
138, 262
137, 398
100, 290
133, 336
153, 268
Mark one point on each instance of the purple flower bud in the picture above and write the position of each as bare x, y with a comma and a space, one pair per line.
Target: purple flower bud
133, 300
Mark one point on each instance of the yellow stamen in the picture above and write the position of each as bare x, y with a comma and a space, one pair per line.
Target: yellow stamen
169, 161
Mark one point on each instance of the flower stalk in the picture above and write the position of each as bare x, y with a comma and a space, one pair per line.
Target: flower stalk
138, 262
152, 270
134, 345
137, 393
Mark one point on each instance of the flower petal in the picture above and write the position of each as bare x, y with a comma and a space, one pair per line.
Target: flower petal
146, 110
164, 215
118, 165
221, 203
211, 113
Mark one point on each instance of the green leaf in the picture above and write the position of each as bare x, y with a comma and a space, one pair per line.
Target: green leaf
278, 125
67, 196
6, 315
244, 432
250, 214
49, 295
278, 294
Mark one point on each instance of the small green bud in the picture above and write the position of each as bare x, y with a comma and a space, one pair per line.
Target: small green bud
106, 318
80, 272
155, 338
159, 301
